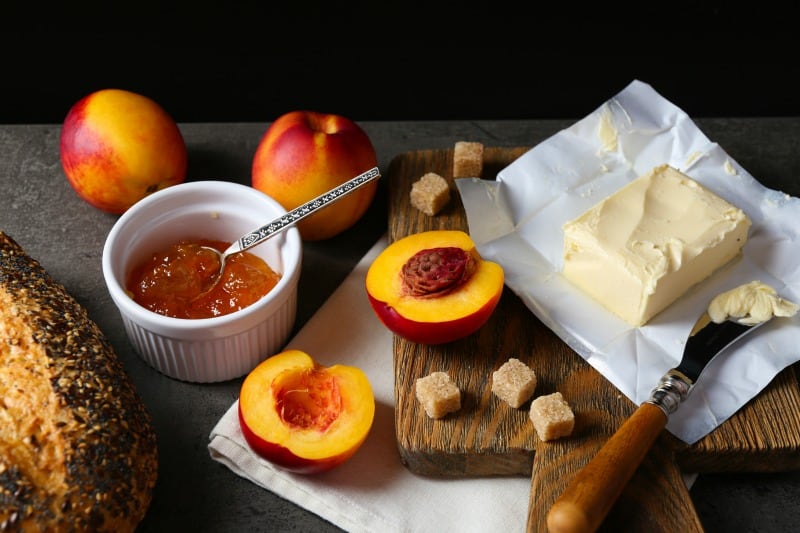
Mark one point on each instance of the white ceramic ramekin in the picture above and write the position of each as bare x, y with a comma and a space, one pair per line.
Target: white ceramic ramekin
209, 349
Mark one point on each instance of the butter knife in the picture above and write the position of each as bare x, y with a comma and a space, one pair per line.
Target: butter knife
590, 495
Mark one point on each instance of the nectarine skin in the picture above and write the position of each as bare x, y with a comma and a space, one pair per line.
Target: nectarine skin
284, 458
433, 332
304, 154
117, 147
303, 417
436, 318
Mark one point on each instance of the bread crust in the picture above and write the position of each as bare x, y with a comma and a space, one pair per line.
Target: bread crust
77, 447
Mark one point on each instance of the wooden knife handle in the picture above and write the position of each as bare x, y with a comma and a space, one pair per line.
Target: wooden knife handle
587, 499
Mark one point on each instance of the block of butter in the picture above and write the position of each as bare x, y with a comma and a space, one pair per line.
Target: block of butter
643, 247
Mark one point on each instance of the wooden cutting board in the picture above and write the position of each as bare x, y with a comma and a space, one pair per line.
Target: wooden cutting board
487, 437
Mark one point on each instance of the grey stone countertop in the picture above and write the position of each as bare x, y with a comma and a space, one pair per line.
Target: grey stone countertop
194, 493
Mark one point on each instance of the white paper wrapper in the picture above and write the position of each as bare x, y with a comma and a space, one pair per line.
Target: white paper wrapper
517, 220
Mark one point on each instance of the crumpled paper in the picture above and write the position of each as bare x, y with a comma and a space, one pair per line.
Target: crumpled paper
516, 221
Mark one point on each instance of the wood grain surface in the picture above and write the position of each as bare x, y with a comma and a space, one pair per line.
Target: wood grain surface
486, 437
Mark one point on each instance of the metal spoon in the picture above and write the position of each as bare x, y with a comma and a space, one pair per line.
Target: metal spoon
263, 233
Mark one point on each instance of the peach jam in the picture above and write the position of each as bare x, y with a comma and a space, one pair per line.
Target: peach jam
183, 280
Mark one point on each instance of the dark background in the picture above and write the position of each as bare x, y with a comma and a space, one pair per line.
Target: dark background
252, 61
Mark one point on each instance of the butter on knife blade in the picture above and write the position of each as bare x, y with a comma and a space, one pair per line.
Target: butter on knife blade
731, 315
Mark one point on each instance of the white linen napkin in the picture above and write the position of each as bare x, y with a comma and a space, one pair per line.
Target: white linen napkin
373, 491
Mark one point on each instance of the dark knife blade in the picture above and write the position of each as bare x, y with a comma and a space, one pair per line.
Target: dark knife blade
707, 340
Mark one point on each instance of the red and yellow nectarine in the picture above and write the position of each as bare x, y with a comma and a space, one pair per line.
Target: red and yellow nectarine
433, 287
303, 417
304, 154
118, 146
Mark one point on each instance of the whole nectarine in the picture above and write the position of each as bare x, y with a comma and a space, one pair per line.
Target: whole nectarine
118, 146
304, 154
433, 287
304, 417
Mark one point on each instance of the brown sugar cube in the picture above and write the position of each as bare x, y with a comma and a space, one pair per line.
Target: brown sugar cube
430, 193
438, 394
514, 382
468, 160
552, 417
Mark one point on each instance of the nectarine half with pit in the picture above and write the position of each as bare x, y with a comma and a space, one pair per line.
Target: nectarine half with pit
434, 287
304, 417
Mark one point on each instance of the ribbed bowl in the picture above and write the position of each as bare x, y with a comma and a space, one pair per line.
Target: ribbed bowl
209, 349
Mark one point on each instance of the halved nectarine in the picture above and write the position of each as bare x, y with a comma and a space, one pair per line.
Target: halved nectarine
434, 287
304, 417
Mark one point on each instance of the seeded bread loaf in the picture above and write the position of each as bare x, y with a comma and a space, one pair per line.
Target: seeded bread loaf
77, 448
